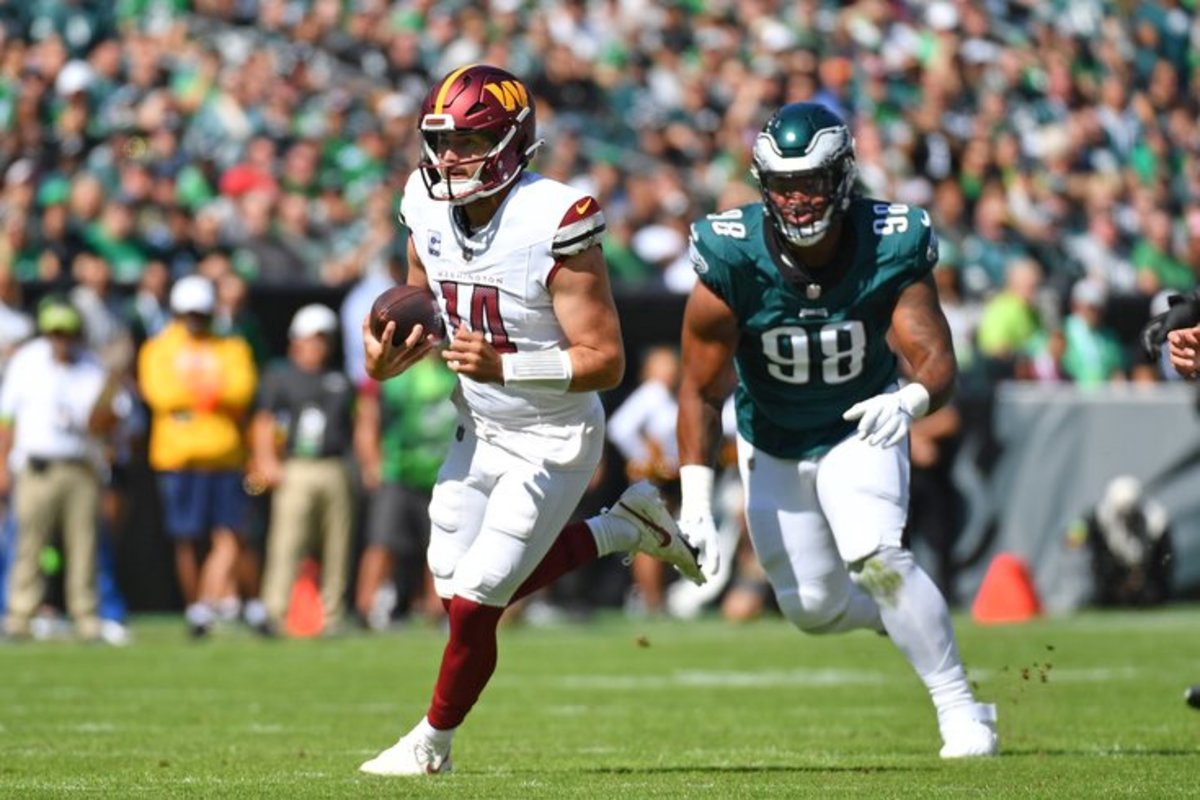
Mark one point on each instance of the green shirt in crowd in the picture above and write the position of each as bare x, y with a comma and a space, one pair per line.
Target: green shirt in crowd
417, 418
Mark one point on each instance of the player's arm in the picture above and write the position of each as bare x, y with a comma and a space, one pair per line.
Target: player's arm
583, 304
709, 339
386, 360
1184, 350
710, 336
921, 335
416, 270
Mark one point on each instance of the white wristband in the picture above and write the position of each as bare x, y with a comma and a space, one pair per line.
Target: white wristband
915, 399
550, 370
696, 490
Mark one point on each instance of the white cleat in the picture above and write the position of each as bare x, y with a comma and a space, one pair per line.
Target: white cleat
970, 732
658, 535
412, 755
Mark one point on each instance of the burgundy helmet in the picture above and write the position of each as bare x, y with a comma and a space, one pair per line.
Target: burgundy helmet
478, 99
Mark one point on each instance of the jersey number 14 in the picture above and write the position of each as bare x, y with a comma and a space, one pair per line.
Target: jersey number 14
840, 348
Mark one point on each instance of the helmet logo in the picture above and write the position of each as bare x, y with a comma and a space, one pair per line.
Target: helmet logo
509, 93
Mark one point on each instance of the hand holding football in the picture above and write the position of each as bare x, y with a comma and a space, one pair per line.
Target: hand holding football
407, 306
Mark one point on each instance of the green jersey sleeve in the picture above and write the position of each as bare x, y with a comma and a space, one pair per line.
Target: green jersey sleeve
722, 253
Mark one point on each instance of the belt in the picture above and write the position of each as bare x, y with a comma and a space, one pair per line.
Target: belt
43, 463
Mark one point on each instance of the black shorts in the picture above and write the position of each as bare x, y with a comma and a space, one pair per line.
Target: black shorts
399, 519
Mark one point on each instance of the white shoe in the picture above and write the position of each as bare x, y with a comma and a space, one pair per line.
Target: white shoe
114, 633
658, 535
969, 732
412, 755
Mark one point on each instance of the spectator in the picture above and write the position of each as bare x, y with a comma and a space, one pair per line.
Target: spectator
198, 386
1011, 318
404, 430
56, 400
1092, 355
300, 435
643, 430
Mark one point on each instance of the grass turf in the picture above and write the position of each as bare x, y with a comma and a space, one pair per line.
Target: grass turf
1090, 706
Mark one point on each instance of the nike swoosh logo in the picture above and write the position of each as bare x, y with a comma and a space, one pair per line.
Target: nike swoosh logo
584, 206
664, 536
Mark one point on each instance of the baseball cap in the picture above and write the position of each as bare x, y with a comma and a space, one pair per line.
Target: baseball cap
1089, 292
193, 295
312, 320
59, 316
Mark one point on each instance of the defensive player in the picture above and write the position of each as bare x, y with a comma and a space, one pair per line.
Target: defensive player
515, 263
812, 294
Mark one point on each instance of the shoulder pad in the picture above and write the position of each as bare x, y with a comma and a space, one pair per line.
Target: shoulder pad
581, 227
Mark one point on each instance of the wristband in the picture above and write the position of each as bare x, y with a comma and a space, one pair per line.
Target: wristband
696, 489
538, 369
914, 398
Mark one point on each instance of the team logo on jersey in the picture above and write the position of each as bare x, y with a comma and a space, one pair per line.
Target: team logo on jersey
435, 243
510, 94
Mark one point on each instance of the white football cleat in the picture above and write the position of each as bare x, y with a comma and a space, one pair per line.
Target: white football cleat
658, 535
969, 732
412, 755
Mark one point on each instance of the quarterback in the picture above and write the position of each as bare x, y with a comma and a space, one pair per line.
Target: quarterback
514, 261
815, 294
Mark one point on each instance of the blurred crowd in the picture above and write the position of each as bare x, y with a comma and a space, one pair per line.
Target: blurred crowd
264, 143
271, 137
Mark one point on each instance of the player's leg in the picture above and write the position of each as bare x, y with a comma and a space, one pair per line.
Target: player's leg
525, 514
864, 493
457, 511
527, 508
638, 522
796, 548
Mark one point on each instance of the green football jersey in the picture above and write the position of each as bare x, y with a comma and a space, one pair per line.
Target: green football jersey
812, 344
417, 418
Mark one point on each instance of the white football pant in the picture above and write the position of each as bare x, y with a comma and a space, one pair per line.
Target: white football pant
495, 514
808, 519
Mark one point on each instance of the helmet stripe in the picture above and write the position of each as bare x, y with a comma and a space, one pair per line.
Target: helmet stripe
439, 103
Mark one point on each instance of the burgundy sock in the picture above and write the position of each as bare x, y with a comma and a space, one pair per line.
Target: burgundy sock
467, 662
574, 547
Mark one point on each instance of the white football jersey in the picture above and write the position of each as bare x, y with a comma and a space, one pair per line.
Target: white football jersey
496, 281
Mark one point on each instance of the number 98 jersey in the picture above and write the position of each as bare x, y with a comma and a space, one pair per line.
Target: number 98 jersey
812, 344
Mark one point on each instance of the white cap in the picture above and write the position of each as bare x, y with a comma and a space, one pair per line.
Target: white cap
1089, 292
1123, 493
396, 104
312, 320
193, 295
75, 76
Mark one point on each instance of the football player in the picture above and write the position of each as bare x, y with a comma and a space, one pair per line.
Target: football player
514, 260
814, 294
1179, 328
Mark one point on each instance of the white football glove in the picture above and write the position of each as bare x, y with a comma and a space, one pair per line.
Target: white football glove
701, 533
884, 420
696, 518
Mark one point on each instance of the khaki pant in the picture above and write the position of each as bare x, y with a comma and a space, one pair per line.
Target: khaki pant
312, 505
66, 494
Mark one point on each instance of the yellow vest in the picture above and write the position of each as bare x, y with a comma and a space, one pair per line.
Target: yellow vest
198, 391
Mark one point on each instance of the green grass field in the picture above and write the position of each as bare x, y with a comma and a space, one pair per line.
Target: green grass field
1089, 707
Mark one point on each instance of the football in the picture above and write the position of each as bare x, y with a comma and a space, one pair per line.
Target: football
407, 306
